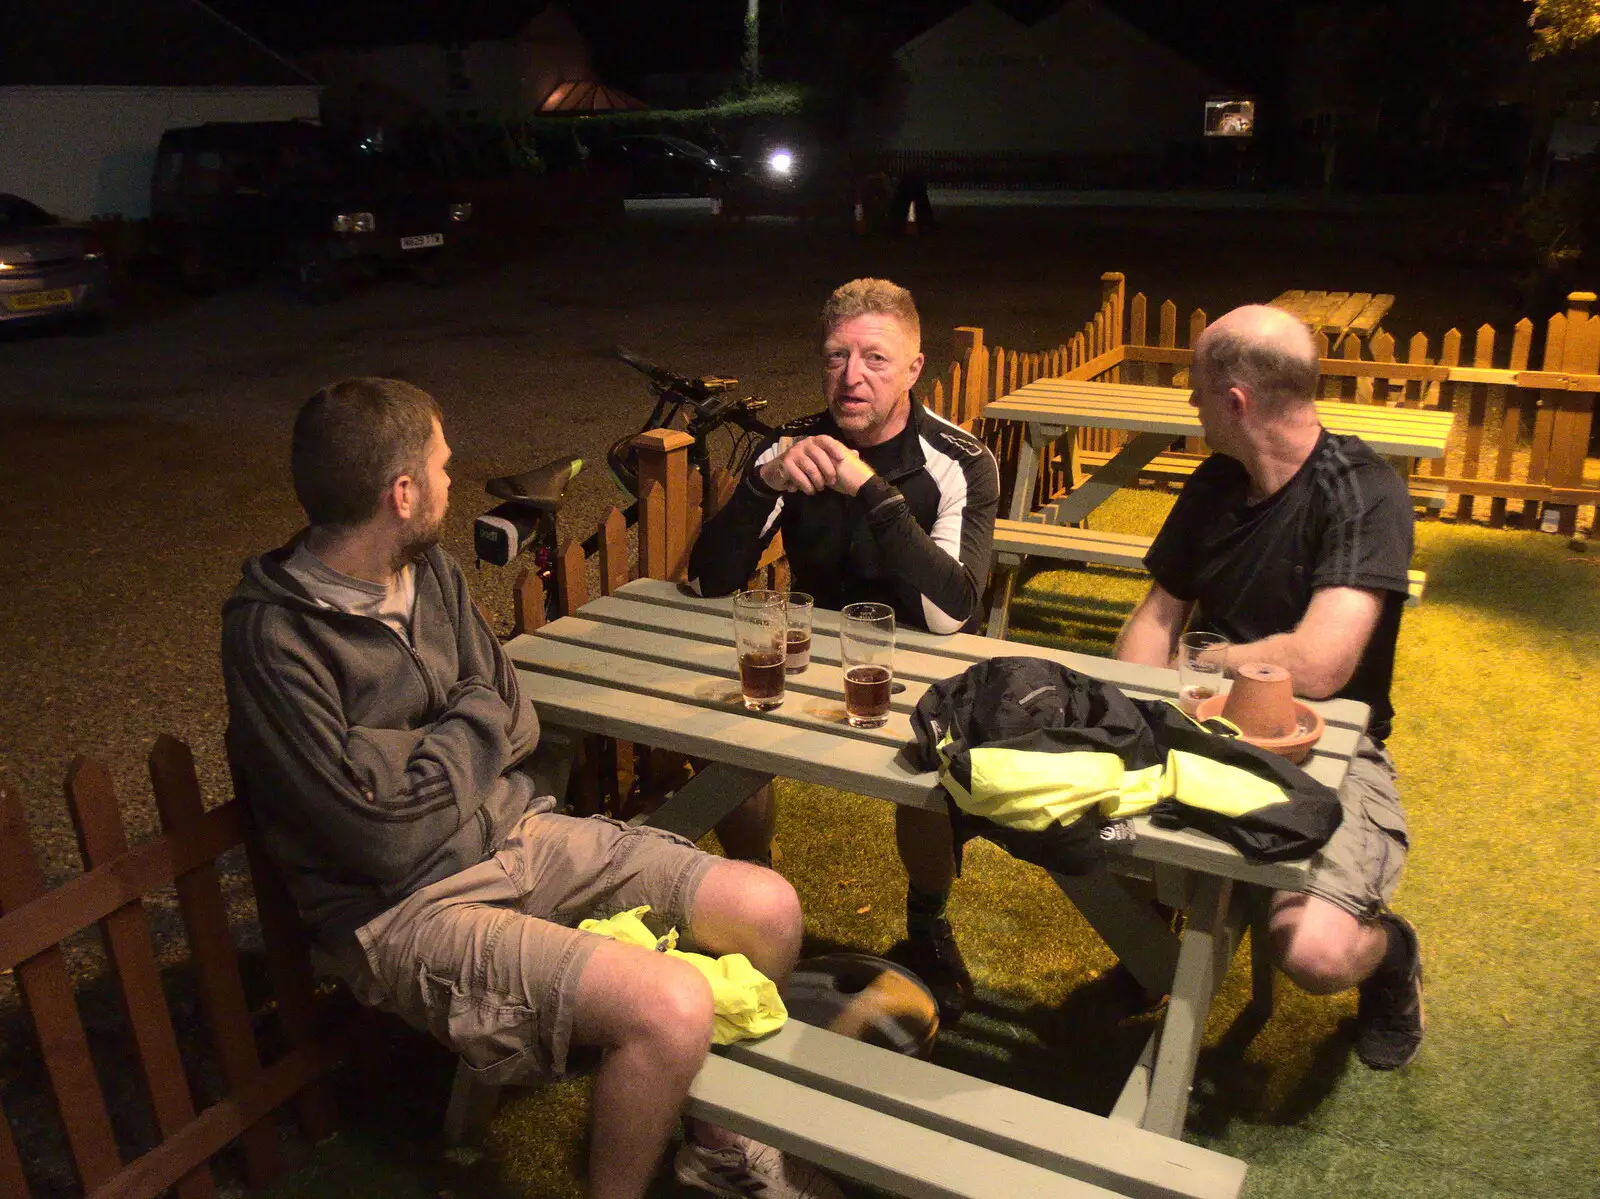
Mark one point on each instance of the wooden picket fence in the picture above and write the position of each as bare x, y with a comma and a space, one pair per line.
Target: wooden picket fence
1520, 436
117, 879
609, 775
111, 893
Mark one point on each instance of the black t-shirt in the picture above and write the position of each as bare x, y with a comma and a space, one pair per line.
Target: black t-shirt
1343, 520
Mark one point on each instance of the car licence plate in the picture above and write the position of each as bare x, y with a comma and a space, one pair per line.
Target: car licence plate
28, 300
422, 241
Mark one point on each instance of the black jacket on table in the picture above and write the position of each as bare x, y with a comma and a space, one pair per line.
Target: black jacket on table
917, 537
1016, 708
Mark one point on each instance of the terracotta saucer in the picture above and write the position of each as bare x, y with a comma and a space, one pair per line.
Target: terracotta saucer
1296, 747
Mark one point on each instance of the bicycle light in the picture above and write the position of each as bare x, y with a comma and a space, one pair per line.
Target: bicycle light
502, 533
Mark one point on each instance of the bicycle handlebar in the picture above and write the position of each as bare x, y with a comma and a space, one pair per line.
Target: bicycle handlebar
696, 391
709, 404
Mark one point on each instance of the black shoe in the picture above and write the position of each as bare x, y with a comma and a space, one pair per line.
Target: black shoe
936, 960
1389, 1016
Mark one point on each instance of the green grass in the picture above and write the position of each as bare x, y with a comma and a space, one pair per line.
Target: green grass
1497, 696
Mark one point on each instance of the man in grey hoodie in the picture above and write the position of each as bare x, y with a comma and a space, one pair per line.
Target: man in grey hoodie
378, 733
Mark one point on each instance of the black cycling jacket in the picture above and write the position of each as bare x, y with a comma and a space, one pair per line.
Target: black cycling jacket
918, 537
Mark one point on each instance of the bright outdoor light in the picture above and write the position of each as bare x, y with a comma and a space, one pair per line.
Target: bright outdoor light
780, 162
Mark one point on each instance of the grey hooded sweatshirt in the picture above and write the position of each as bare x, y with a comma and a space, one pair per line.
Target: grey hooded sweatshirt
371, 767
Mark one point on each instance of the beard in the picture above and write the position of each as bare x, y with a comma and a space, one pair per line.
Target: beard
421, 531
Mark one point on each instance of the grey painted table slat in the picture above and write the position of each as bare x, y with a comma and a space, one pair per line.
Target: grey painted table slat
654, 664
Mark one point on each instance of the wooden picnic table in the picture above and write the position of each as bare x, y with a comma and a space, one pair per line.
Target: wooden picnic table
1156, 416
1336, 314
654, 664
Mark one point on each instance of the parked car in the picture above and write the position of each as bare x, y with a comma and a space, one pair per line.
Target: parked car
48, 268
231, 198
657, 164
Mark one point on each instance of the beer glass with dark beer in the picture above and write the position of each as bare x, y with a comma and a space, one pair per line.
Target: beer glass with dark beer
866, 651
760, 638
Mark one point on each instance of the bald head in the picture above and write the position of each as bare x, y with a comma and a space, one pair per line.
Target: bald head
1264, 351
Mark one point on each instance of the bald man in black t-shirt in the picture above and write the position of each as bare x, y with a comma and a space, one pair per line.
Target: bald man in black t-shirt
1294, 543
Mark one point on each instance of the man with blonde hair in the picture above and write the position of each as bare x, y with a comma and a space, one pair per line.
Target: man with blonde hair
878, 499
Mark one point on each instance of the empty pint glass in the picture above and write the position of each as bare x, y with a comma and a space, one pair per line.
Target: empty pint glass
1201, 673
866, 651
760, 638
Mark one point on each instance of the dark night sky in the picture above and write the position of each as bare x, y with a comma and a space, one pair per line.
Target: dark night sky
1418, 47
632, 37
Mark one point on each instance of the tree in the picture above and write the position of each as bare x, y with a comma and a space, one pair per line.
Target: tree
1563, 24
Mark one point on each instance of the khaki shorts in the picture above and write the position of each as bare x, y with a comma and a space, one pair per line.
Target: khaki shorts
1359, 868
488, 960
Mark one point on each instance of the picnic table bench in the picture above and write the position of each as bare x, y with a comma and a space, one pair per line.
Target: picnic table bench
655, 665
1053, 408
1336, 314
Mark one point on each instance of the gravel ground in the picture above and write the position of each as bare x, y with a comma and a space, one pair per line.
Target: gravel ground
139, 467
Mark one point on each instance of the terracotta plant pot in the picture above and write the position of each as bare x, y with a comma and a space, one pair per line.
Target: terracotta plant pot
1267, 713
1261, 701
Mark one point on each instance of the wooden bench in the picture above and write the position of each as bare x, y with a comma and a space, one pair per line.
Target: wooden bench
1178, 466
1022, 539
920, 1130
1336, 313
1173, 466
916, 1129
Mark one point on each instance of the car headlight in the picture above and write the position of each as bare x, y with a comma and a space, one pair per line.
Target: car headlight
780, 162
461, 212
7, 266
354, 222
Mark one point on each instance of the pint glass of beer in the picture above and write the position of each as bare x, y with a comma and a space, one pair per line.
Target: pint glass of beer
760, 638
866, 651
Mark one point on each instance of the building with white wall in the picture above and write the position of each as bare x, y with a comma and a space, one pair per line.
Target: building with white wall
90, 85
1080, 81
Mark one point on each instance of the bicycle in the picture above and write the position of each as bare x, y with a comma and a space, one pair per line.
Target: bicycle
525, 520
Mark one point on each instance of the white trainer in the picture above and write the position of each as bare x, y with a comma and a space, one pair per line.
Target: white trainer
751, 1169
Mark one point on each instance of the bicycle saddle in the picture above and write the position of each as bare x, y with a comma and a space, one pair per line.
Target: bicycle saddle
542, 488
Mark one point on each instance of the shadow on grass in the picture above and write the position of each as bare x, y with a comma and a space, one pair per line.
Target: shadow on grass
1533, 577
1050, 609
1231, 1086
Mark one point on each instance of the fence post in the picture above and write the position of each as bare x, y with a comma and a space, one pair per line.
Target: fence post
1511, 422
1555, 345
97, 818
572, 578
1574, 410
967, 343
653, 536
47, 994
1113, 292
613, 552
527, 602
664, 461
1477, 415
205, 919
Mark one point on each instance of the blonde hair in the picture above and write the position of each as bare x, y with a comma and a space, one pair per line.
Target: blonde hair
868, 297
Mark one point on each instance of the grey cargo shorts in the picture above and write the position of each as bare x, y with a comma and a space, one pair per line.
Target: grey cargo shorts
488, 960
1360, 866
